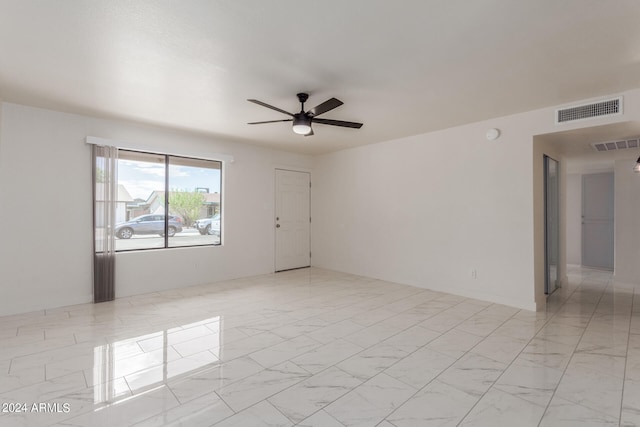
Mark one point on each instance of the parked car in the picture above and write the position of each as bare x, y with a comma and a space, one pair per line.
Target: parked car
208, 225
148, 224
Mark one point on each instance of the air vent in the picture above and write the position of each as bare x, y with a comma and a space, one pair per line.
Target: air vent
616, 145
610, 107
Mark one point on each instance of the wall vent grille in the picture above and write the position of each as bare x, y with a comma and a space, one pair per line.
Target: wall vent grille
610, 107
616, 145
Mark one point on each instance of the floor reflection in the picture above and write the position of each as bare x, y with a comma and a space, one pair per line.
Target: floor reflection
148, 361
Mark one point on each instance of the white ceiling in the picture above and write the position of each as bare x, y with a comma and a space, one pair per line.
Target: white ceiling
401, 68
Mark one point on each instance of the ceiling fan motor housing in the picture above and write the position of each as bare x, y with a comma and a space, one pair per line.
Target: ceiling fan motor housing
301, 123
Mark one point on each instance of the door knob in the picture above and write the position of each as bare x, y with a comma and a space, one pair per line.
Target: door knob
277, 225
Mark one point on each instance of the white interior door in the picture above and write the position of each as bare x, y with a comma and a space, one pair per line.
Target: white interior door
293, 217
597, 220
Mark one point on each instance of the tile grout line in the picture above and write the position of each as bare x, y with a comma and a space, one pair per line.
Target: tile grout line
334, 400
363, 350
548, 320
258, 402
564, 371
626, 359
467, 352
456, 360
507, 367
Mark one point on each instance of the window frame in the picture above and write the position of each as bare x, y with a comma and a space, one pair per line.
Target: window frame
167, 215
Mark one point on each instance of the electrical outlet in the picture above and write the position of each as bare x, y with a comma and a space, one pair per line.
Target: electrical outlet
474, 274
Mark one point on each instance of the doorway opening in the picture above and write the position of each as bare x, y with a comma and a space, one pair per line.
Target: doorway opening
600, 230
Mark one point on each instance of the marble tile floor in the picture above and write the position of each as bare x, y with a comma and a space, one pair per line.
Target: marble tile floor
314, 347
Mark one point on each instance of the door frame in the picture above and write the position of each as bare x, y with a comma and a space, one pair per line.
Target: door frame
275, 207
546, 160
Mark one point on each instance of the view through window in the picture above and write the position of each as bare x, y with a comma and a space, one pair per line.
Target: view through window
150, 185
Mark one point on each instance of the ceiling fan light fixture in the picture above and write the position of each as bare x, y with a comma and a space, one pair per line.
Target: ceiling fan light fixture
301, 124
302, 120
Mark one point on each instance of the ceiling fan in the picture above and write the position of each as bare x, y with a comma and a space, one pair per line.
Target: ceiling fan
302, 120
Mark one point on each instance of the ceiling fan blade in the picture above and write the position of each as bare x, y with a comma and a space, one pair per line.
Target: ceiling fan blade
255, 101
338, 123
270, 121
327, 105
310, 133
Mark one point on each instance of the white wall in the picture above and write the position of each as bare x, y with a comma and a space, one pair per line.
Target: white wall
46, 210
574, 218
424, 210
627, 222
428, 209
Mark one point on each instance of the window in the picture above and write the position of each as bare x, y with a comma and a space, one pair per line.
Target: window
149, 185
